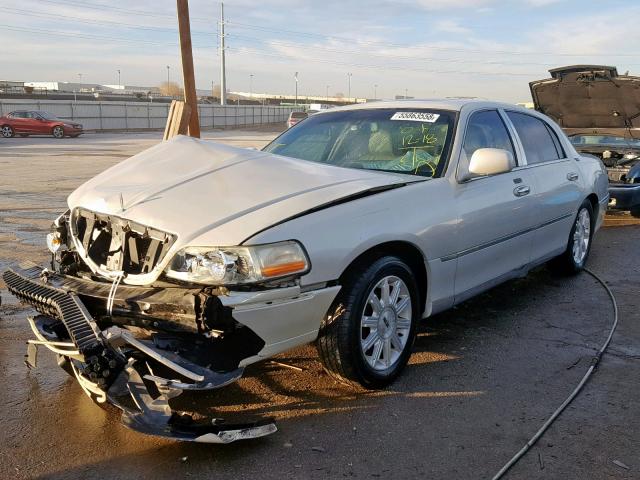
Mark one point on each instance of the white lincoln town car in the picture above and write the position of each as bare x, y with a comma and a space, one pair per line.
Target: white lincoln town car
180, 266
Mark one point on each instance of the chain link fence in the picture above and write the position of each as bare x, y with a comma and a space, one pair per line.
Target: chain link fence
100, 116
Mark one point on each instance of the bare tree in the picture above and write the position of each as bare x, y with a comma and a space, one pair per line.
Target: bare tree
170, 89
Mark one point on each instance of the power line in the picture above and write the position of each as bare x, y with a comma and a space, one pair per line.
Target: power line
85, 35
398, 45
92, 21
95, 6
385, 66
386, 57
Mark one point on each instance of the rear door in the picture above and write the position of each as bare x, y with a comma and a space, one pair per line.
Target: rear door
495, 213
557, 175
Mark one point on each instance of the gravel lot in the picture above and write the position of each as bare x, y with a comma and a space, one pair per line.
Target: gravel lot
483, 378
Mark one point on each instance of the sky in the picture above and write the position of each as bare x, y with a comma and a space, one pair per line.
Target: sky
426, 48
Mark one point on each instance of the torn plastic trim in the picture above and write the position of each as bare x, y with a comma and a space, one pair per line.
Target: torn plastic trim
150, 413
154, 416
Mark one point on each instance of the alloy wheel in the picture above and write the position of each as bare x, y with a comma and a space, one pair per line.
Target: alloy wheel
7, 131
581, 236
385, 323
58, 132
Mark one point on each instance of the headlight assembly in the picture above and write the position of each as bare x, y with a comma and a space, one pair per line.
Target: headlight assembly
238, 265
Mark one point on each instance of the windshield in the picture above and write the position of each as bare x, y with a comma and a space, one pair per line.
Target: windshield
411, 141
47, 115
604, 140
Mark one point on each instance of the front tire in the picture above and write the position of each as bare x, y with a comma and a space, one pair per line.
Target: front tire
367, 336
7, 131
574, 258
58, 132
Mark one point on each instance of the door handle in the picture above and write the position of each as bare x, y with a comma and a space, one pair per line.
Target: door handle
572, 176
521, 191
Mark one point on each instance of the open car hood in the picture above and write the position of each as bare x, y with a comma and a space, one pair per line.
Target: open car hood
211, 194
588, 97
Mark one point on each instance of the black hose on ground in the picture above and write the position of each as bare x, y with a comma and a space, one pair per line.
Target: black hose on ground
594, 363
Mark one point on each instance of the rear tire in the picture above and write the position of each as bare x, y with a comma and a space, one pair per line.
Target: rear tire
367, 336
58, 132
7, 131
575, 256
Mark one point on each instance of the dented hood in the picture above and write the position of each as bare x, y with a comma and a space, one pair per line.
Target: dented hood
210, 194
589, 96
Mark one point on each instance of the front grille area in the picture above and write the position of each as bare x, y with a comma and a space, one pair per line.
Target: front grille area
120, 245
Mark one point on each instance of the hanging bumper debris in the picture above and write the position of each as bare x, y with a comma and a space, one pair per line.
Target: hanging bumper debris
136, 369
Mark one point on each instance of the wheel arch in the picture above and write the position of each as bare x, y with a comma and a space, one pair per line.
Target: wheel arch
595, 205
406, 251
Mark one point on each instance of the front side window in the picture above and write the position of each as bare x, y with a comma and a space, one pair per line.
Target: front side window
540, 143
46, 115
486, 130
411, 141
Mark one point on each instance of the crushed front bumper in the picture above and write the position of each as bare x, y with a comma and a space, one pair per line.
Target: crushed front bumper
138, 374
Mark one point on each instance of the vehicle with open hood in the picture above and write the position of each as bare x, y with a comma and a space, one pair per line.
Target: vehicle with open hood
179, 267
600, 112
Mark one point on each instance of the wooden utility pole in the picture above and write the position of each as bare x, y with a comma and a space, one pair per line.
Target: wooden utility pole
190, 97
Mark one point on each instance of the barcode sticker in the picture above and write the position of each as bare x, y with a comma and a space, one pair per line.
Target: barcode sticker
416, 116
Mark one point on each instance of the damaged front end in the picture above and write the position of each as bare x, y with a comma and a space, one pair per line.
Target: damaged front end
135, 347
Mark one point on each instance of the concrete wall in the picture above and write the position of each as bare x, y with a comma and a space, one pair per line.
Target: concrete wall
144, 116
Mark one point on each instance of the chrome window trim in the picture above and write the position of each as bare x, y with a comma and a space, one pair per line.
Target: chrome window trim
522, 158
533, 165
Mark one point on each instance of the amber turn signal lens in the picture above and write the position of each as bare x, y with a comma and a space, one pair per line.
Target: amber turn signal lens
283, 269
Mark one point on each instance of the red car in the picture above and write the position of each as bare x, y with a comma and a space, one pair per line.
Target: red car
25, 123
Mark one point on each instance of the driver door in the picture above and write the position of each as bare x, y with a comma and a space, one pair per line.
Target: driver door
496, 213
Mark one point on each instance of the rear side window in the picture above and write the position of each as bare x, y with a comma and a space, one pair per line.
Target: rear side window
540, 142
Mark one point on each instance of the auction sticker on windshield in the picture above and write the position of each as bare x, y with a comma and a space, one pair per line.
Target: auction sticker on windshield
416, 116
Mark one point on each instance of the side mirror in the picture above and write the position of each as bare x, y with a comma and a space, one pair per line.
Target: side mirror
490, 161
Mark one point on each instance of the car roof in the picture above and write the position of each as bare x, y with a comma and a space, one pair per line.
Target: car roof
454, 104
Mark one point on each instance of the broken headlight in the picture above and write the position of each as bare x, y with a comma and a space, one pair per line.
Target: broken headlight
238, 265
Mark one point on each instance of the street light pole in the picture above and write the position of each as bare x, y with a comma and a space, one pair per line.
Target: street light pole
223, 71
296, 77
328, 92
168, 69
349, 92
375, 91
251, 85
406, 94
118, 78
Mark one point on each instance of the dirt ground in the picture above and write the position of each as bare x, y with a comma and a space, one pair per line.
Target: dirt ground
483, 378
